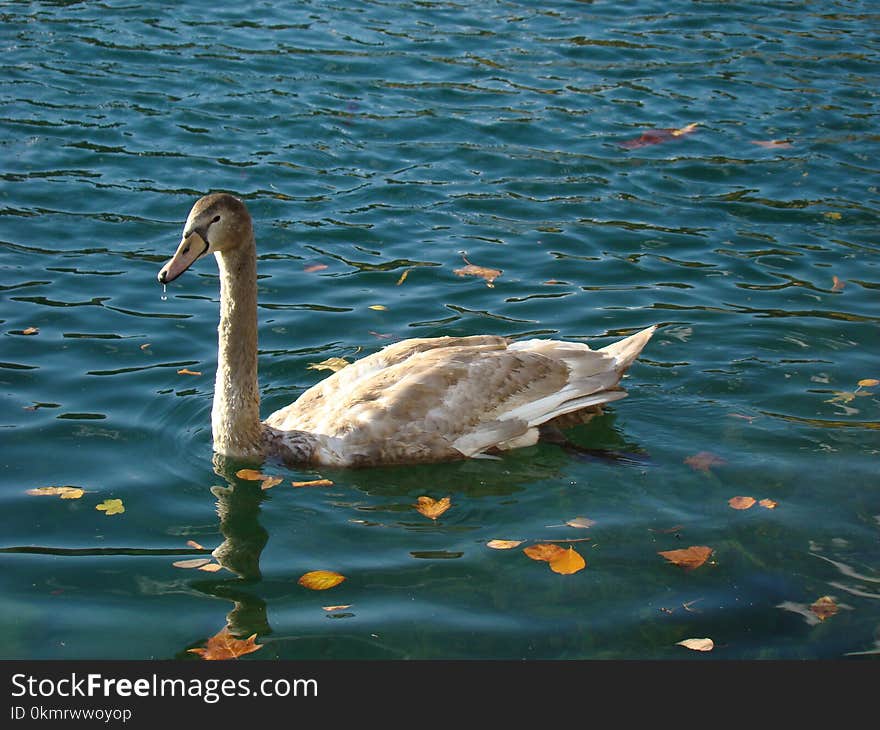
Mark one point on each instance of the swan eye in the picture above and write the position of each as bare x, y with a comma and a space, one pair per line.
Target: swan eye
186, 250
216, 219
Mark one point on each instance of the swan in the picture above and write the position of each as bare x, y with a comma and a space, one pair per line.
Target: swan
418, 400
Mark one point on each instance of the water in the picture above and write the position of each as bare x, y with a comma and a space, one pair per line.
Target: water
373, 139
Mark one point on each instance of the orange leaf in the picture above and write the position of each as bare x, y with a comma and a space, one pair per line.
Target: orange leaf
768, 503
868, 383
433, 508
30, 331
320, 580
824, 607
503, 544
402, 277
741, 502
544, 551
570, 561
194, 544
210, 567
270, 482
689, 558
703, 461
697, 644
251, 474
224, 645
473, 270
314, 483
187, 371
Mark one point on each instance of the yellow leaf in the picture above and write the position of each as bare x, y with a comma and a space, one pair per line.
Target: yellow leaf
833, 215
842, 396
402, 277
187, 371
378, 307
868, 383
689, 558
191, 563
341, 607
111, 507
331, 363
433, 508
251, 474
503, 544
544, 551
63, 492
30, 331
570, 561
741, 502
313, 483
824, 607
320, 580
224, 645
697, 644
768, 503
685, 130
270, 482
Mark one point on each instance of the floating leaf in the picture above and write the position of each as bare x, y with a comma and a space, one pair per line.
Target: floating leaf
584, 522
341, 607
402, 277
741, 502
251, 474
837, 284
111, 507
210, 567
433, 508
824, 607
270, 482
544, 551
768, 503
224, 645
489, 275
503, 544
331, 363
689, 558
191, 563
63, 492
703, 461
311, 268
145, 346
772, 143
320, 580
378, 307
656, 136
313, 483
697, 644
833, 215
868, 383
31, 331
194, 544
842, 396
187, 371
570, 561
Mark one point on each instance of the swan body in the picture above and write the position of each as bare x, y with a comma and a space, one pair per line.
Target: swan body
419, 400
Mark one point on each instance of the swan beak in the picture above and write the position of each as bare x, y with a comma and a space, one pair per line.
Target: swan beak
192, 247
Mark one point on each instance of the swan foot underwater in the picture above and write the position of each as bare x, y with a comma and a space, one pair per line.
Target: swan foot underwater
418, 400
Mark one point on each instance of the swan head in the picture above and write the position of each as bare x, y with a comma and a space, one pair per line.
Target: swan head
217, 222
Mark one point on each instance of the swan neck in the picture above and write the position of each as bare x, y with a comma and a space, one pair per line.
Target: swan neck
235, 418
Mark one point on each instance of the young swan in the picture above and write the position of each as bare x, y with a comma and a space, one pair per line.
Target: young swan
419, 400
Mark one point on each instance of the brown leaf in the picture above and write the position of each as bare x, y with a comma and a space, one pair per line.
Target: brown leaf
320, 580
191, 563
741, 502
544, 551
187, 371
703, 460
688, 558
697, 644
313, 483
224, 645
570, 561
656, 136
63, 492
250, 474
824, 607
433, 508
489, 275
31, 331
768, 503
503, 544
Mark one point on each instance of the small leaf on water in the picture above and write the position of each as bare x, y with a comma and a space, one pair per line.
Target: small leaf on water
570, 561
341, 607
402, 277
544, 551
433, 508
224, 645
842, 396
868, 383
194, 544
697, 644
685, 130
833, 215
313, 483
270, 482
824, 607
584, 522
703, 461
837, 284
63, 492
145, 346
210, 567
503, 544
378, 307
331, 363
311, 268
31, 331
187, 371
111, 507
250, 474
768, 503
489, 275
688, 558
320, 580
772, 143
741, 502
191, 563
